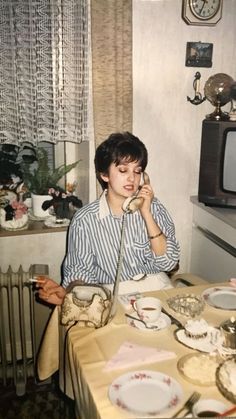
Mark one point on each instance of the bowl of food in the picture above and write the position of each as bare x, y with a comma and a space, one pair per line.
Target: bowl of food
198, 368
226, 379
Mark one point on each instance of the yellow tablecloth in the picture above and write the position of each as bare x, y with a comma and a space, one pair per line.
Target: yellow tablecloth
88, 350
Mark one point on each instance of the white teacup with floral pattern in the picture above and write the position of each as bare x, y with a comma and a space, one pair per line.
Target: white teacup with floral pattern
148, 309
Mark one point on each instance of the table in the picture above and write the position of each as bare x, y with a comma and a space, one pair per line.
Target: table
88, 350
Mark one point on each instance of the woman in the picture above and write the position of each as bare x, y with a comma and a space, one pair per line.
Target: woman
150, 245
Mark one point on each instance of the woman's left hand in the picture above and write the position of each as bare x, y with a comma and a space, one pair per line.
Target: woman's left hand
50, 291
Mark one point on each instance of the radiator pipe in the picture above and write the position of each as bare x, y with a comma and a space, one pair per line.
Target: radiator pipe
11, 320
21, 367
3, 337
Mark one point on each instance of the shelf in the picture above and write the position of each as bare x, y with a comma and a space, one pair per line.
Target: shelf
35, 227
227, 215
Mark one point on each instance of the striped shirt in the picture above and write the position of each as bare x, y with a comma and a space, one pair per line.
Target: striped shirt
94, 242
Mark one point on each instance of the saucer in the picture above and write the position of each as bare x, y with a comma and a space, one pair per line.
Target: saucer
33, 217
209, 343
162, 323
51, 222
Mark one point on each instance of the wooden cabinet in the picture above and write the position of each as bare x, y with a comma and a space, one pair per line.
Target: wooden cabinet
213, 244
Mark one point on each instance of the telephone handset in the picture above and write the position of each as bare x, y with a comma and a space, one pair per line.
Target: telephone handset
133, 203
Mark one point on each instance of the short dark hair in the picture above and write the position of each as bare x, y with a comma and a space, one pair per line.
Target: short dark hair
116, 148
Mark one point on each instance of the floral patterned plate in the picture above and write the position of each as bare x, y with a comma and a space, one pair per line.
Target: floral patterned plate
145, 392
221, 297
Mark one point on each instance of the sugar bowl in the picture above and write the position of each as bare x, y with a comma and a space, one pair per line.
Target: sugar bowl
228, 330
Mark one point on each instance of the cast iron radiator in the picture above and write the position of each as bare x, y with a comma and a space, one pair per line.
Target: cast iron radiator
18, 340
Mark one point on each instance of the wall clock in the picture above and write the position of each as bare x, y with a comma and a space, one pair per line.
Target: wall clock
202, 12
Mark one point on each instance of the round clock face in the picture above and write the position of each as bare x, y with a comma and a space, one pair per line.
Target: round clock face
204, 9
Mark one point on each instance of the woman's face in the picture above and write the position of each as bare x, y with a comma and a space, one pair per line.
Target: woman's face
123, 180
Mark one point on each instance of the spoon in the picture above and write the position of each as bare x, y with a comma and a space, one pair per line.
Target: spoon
145, 324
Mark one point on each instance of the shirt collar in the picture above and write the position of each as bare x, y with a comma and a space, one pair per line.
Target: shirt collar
104, 209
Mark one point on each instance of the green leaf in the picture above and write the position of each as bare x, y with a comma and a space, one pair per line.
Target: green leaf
41, 178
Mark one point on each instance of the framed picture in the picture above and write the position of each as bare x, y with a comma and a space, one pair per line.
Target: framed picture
199, 54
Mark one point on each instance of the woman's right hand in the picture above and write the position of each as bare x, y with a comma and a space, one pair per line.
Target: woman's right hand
50, 291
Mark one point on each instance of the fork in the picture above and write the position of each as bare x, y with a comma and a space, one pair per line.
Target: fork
188, 404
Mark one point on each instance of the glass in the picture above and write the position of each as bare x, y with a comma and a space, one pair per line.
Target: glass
189, 305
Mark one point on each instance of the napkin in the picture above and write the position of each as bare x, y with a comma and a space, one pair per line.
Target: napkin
130, 354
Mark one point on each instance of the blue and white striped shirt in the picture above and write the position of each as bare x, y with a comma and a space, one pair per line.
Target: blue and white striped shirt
94, 241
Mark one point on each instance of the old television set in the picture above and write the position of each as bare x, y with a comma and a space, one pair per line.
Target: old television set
217, 172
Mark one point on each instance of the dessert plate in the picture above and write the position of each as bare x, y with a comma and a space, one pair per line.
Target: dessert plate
208, 344
220, 297
145, 393
162, 323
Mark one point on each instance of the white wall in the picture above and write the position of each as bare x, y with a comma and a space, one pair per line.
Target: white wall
25, 250
169, 125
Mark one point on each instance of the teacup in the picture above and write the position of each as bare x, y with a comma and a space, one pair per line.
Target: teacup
206, 408
148, 309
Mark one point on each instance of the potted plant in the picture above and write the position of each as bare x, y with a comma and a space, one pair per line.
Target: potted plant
41, 178
60, 201
13, 214
13, 211
12, 157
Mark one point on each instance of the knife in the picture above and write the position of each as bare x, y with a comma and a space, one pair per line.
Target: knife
173, 319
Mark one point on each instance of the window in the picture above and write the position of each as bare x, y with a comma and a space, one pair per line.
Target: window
44, 71
44, 76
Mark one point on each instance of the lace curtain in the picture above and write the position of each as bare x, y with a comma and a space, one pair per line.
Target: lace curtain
43, 71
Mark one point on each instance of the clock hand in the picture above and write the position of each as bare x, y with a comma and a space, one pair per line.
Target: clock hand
204, 2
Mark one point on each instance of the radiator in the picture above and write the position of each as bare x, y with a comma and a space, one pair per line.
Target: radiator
18, 338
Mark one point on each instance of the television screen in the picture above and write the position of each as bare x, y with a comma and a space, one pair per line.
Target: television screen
217, 170
229, 162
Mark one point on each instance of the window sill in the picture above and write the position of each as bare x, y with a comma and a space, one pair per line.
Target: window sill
34, 227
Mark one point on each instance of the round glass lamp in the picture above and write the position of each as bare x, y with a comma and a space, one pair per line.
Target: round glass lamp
218, 91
